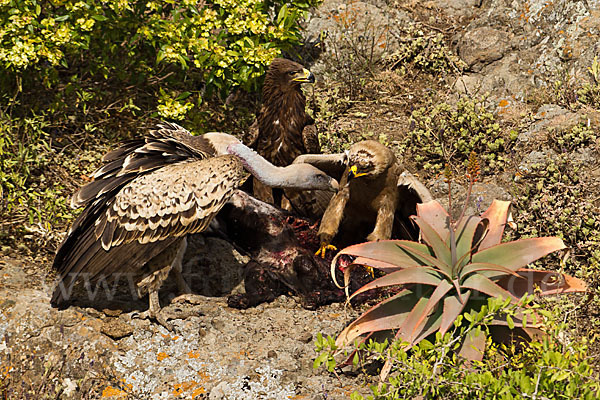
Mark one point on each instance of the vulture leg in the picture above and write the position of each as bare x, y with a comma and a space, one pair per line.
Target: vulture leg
178, 268
160, 266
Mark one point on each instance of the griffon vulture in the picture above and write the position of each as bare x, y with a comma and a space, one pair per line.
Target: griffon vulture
375, 196
151, 193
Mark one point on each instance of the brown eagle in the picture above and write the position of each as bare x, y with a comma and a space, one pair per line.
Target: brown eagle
148, 196
375, 196
283, 130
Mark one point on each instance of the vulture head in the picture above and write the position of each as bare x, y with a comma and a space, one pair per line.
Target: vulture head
368, 159
285, 75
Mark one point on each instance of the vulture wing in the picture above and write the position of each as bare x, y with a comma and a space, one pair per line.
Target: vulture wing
150, 193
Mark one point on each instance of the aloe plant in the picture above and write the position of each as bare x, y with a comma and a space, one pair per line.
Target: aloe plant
455, 268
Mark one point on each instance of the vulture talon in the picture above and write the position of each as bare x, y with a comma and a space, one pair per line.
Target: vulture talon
154, 316
323, 249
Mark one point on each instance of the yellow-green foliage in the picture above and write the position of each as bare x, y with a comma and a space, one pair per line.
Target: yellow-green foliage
72, 71
550, 367
442, 132
229, 41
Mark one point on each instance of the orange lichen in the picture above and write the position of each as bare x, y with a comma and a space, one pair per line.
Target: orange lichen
503, 103
161, 356
110, 391
179, 388
191, 354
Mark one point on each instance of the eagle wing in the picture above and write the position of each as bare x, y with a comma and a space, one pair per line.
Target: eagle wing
310, 138
333, 165
410, 192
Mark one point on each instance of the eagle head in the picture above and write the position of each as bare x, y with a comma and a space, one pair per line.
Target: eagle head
368, 159
286, 75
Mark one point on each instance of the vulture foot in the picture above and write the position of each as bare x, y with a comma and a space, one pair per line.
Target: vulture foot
194, 299
155, 312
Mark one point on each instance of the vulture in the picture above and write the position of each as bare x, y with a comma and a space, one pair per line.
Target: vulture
283, 131
149, 194
375, 198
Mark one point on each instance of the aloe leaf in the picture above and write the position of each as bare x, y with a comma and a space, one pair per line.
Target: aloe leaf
436, 216
408, 329
430, 260
517, 254
432, 325
438, 294
387, 251
465, 231
431, 237
480, 267
473, 346
389, 314
380, 265
485, 285
418, 275
496, 214
549, 282
453, 306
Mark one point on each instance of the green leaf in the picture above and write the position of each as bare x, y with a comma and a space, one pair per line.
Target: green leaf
496, 214
479, 267
432, 238
465, 230
418, 275
510, 322
434, 214
62, 18
453, 307
99, 17
438, 294
389, 314
518, 254
485, 285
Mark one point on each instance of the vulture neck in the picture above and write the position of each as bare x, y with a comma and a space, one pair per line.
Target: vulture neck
264, 171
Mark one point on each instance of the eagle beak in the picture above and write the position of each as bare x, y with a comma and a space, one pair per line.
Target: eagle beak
304, 77
353, 173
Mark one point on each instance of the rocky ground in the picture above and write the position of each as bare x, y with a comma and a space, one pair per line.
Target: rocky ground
513, 51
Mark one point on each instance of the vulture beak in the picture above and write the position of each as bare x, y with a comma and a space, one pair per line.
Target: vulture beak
335, 186
353, 173
304, 77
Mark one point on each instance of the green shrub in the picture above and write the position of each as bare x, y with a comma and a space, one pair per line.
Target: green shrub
228, 42
425, 51
552, 367
444, 132
76, 75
